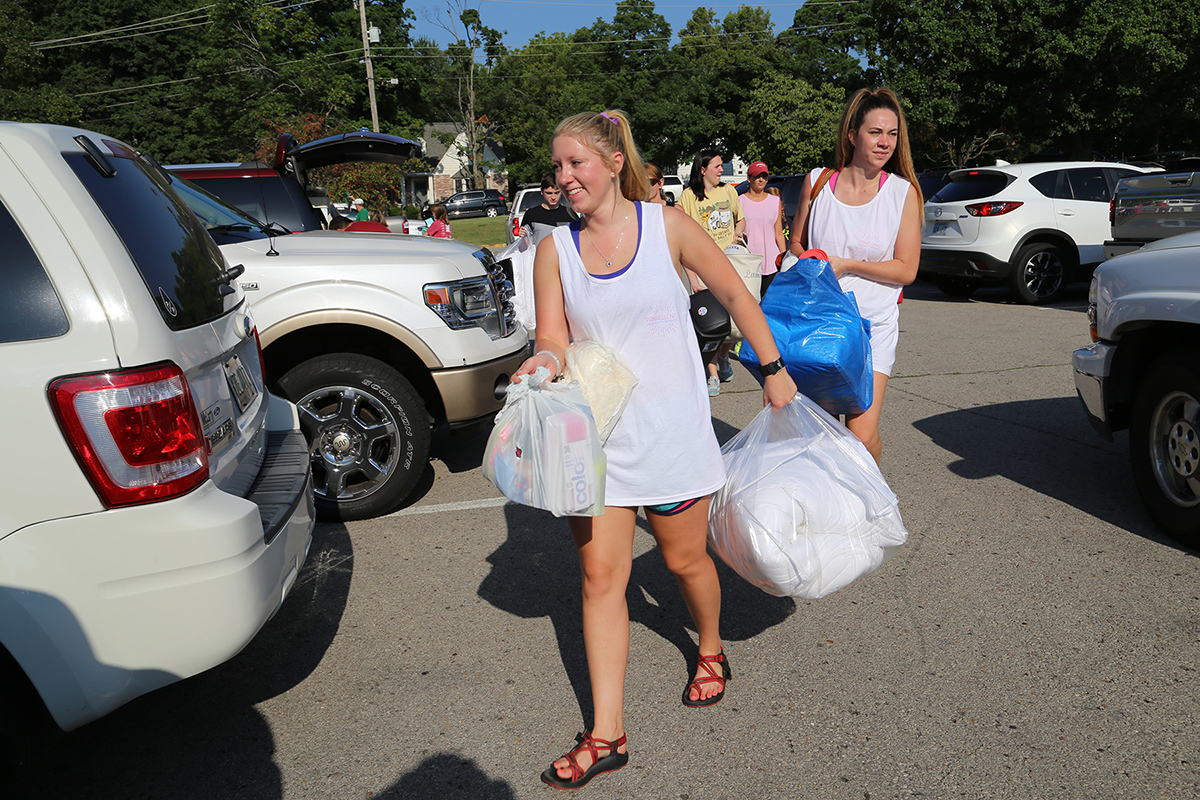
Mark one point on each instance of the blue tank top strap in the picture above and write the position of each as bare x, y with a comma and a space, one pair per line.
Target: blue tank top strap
636, 250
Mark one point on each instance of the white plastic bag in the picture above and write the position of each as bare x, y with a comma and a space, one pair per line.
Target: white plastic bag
805, 509
544, 450
520, 254
605, 378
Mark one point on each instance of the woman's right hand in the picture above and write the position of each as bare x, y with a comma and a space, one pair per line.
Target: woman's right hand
542, 358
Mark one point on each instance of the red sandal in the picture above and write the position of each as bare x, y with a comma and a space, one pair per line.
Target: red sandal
707, 663
610, 763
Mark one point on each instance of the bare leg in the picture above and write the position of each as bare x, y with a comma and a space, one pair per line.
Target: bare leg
866, 425
605, 546
683, 541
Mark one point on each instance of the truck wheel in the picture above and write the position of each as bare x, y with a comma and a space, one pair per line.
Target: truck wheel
1039, 273
955, 286
1164, 444
367, 429
492, 211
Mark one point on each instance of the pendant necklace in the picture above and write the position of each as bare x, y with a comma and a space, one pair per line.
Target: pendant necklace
608, 261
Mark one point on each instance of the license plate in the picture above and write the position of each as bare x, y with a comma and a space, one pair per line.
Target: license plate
243, 388
940, 227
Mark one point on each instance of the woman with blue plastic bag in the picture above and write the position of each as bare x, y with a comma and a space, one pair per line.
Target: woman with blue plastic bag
867, 217
615, 276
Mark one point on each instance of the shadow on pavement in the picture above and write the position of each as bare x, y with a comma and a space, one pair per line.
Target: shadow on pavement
1048, 446
446, 775
202, 738
535, 573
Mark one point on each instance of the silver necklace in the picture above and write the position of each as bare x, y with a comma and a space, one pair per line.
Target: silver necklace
621, 238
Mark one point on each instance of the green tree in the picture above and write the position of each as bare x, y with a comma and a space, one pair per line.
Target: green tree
795, 123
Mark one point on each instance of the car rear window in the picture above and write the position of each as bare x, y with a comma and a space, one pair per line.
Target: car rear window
529, 200
178, 260
972, 186
29, 306
266, 198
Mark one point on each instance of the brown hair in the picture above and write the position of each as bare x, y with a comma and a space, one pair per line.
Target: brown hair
607, 133
438, 211
858, 106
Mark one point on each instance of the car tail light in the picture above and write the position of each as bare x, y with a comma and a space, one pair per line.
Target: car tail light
516, 227
136, 433
1112, 209
992, 209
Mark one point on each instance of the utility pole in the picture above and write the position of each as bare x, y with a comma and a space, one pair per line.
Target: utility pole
362, 16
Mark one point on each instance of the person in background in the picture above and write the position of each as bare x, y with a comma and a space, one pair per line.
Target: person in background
615, 277
656, 186
764, 222
716, 207
360, 210
339, 223
867, 219
550, 211
440, 227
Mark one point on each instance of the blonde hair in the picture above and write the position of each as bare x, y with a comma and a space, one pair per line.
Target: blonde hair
607, 133
858, 106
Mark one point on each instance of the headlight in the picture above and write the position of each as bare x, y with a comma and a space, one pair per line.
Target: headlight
466, 303
1093, 296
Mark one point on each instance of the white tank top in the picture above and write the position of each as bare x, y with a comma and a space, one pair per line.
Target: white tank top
863, 233
663, 449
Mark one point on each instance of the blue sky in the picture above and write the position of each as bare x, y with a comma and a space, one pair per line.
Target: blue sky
523, 19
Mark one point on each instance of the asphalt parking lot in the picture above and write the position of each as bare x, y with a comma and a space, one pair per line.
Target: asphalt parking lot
1036, 637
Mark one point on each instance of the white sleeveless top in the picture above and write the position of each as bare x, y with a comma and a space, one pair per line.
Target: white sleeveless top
663, 449
863, 233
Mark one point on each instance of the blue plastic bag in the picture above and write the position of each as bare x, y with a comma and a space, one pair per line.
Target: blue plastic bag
823, 340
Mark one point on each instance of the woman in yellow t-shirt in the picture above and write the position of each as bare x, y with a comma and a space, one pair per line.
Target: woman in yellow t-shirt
719, 211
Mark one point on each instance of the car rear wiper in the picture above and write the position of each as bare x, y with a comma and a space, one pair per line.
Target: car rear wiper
233, 226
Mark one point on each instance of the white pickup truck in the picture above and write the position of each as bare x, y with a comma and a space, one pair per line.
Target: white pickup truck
377, 338
1142, 372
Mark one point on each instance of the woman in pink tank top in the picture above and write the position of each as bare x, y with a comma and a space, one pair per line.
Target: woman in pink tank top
622, 248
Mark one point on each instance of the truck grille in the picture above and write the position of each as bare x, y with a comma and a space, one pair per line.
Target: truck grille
503, 289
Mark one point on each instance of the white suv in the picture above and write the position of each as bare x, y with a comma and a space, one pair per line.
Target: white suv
163, 509
1030, 226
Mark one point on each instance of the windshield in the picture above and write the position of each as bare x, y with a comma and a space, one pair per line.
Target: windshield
224, 222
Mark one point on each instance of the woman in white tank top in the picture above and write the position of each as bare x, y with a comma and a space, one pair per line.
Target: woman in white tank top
615, 277
867, 219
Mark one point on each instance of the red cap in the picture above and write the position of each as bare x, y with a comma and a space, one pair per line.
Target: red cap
758, 167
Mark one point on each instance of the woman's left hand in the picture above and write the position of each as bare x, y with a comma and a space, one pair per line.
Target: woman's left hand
778, 390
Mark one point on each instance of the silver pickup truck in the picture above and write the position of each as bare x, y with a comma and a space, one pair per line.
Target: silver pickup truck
1142, 372
1147, 208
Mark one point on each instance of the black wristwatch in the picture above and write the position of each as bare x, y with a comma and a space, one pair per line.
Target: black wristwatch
772, 368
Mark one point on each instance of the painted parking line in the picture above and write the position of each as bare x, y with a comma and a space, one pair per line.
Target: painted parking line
466, 505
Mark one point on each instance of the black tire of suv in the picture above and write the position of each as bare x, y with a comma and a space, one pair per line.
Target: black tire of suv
955, 286
1164, 444
343, 400
1039, 273
492, 211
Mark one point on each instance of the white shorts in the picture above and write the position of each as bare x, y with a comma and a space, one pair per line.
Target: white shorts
885, 333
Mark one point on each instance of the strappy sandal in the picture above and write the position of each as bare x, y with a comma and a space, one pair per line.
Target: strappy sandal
586, 742
707, 663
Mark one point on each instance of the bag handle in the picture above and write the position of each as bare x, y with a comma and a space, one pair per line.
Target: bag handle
823, 179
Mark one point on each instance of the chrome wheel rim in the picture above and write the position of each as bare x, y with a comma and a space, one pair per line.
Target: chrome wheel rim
1043, 273
355, 442
1175, 448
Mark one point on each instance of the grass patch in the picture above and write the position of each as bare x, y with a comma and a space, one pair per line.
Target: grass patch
482, 231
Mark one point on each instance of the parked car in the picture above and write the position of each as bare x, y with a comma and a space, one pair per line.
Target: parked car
1032, 227
164, 508
476, 203
1150, 207
377, 337
278, 192
1142, 372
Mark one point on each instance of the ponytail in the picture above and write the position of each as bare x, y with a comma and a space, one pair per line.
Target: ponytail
607, 133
